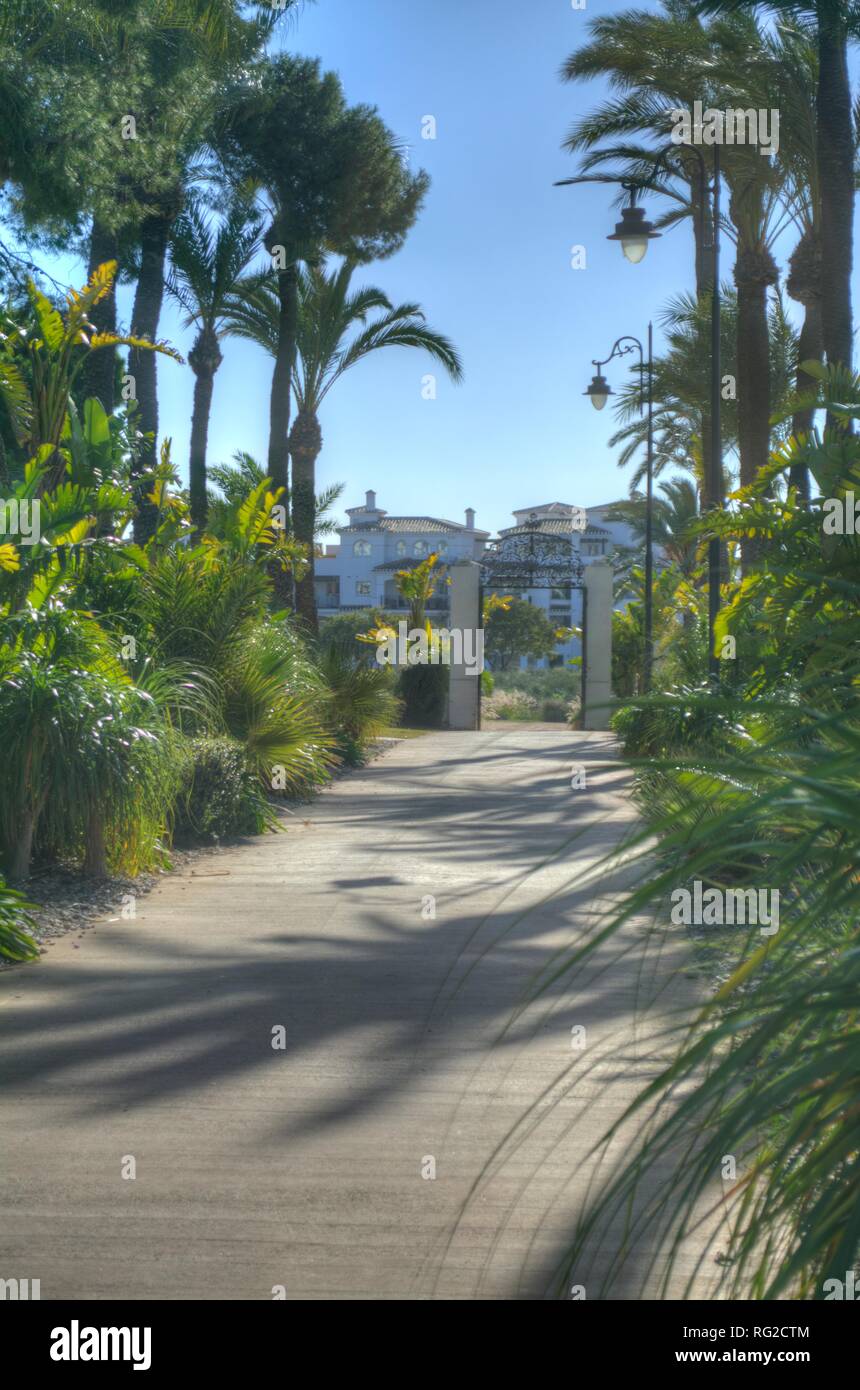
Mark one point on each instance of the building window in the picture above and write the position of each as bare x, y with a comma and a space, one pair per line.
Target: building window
401, 548
442, 548
421, 548
594, 548
362, 588
362, 548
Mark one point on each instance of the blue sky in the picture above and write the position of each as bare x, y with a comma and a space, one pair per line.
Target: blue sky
489, 260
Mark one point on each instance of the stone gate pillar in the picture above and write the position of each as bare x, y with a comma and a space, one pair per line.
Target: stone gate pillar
464, 693
597, 648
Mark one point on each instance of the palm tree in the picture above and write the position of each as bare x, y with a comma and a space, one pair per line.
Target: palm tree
174, 90
206, 267
237, 480
666, 61
673, 516
656, 62
333, 334
335, 179
835, 148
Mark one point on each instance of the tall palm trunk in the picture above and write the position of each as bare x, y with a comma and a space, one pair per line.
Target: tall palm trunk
22, 850
280, 400
142, 365
754, 272
95, 849
204, 359
703, 231
305, 447
99, 371
804, 286
835, 151
279, 405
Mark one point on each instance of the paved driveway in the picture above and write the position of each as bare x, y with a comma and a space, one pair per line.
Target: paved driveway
391, 934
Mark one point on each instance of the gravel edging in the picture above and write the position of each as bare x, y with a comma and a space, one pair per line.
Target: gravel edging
66, 901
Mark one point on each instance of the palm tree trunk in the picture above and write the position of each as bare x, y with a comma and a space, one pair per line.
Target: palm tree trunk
203, 387
95, 854
281, 396
99, 371
204, 360
23, 847
753, 380
754, 270
803, 283
703, 224
835, 151
305, 447
142, 364
809, 349
279, 405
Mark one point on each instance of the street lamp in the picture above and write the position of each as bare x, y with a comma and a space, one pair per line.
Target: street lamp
630, 245
634, 233
599, 391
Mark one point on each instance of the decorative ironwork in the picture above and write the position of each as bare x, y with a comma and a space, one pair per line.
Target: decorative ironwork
528, 557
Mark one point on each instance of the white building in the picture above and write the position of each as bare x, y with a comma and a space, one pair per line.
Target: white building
359, 571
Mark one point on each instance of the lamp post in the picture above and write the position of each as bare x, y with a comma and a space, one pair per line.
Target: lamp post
634, 232
598, 391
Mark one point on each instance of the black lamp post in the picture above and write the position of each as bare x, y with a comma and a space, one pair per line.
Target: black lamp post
634, 233
598, 392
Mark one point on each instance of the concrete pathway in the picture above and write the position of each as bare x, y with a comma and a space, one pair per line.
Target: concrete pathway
392, 933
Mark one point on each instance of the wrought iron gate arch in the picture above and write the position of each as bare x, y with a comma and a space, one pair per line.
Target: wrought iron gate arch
530, 557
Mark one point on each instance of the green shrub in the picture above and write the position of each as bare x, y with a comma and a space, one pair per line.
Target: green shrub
510, 704
682, 719
15, 940
488, 683
273, 706
554, 711
342, 631
221, 794
89, 769
359, 701
424, 692
551, 683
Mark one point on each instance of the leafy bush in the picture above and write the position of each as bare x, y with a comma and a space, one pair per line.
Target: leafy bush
88, 768
342, 631
359, 701
424, 692
554, 711
15, 940
272, 706
549, 683
221, 795
510, 704
678, 721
